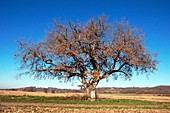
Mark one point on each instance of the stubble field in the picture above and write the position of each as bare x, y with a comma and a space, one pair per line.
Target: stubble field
39, 102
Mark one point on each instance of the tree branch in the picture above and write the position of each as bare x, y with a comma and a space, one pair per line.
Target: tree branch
115, 60
106, 74
70, 72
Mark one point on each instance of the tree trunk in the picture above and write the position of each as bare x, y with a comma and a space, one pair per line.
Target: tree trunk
91, 93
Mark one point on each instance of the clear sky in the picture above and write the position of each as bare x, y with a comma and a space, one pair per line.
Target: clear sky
32, 18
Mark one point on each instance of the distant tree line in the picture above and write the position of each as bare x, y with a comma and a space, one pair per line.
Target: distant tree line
106, 90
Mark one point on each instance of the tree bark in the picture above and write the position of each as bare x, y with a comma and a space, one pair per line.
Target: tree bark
91, 93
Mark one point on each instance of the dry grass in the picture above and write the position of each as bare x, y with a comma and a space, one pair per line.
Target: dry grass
147, 97
22, 93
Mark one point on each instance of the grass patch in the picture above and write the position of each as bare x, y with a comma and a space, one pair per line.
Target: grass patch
124, 101
81, 100
70, 100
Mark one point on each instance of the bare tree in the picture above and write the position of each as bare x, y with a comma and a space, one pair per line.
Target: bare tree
91, 52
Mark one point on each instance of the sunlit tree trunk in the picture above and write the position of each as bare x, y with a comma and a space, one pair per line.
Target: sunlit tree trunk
91, 92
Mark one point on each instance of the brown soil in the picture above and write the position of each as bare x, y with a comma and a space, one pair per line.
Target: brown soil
67, 108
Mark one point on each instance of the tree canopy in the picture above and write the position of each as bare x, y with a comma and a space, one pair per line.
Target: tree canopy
90, 51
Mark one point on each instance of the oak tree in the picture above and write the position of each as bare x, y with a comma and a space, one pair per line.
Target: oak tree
90, 51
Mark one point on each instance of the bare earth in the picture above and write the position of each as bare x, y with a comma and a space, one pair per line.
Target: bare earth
67, 108
6, 107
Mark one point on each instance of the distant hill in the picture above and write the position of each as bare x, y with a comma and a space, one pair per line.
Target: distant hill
111, 90
136, 90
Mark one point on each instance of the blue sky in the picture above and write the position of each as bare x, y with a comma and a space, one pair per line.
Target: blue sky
33, 18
